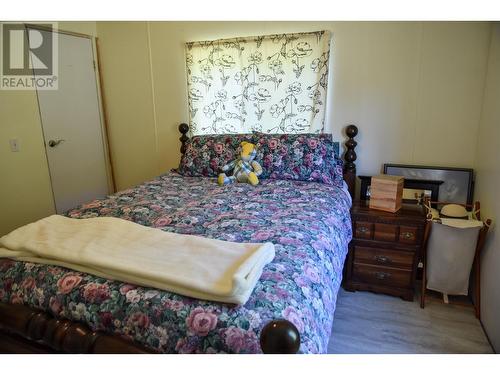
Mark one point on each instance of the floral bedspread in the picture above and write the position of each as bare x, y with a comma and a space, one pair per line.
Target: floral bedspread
308, 222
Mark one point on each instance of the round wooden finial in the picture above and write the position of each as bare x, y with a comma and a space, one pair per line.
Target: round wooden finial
351, 131
280, 337
183, 128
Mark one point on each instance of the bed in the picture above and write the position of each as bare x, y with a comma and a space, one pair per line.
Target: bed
52, 309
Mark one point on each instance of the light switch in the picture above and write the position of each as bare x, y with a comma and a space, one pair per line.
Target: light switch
14, 145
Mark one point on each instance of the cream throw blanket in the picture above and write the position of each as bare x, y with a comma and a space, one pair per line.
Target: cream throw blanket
119, 249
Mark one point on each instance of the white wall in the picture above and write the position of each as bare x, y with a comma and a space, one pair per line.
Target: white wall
487, 191
128, 94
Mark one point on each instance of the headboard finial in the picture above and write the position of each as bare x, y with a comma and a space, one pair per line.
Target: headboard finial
349, 158
350, 155
183, 128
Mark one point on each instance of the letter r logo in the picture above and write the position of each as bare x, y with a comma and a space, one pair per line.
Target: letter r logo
26, 50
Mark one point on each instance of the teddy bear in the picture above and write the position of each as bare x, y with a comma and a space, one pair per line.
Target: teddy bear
245, 169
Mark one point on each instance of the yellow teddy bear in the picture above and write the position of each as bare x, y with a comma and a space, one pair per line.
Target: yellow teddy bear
245, 168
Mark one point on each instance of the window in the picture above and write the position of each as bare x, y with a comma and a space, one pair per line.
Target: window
274, 84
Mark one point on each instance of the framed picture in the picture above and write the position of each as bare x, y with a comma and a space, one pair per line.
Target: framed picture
457, 183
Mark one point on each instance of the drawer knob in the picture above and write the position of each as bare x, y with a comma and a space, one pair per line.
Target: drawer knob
382, 259
382, 275
363, 229
407, 235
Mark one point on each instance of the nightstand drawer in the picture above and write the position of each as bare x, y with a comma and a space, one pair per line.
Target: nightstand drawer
382, 275
383, 257
363, 230
408, 235
385, 232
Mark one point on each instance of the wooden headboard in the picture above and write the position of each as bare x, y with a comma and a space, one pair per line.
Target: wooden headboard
349, 156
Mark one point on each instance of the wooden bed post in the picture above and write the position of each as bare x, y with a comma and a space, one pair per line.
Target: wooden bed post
280, 337
184, 129
349, 158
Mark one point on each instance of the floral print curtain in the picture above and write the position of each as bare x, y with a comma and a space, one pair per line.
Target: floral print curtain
272, 84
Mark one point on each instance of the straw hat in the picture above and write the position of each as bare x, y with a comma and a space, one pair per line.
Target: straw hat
454, 210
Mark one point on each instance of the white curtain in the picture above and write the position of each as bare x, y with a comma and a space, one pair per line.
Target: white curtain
273, 84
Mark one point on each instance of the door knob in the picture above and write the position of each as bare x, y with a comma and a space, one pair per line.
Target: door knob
53, 143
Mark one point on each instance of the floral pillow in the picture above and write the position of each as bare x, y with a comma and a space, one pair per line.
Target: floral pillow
305, 157
206, 154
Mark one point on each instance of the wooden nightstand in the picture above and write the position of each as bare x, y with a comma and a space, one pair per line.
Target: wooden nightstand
385, 249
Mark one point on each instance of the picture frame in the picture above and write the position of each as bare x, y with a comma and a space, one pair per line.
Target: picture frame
457, 186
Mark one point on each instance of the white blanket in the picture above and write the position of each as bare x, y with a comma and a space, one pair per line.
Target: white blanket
118, 249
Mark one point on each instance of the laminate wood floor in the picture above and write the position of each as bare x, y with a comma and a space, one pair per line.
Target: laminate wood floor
374, 323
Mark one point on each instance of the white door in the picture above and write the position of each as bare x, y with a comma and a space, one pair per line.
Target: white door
72, 128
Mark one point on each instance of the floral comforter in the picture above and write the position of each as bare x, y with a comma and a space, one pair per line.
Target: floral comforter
308, 222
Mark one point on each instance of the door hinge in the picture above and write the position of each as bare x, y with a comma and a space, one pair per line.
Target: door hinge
94, 64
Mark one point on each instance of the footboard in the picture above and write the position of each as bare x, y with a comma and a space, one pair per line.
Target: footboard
25, 330
29, 330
